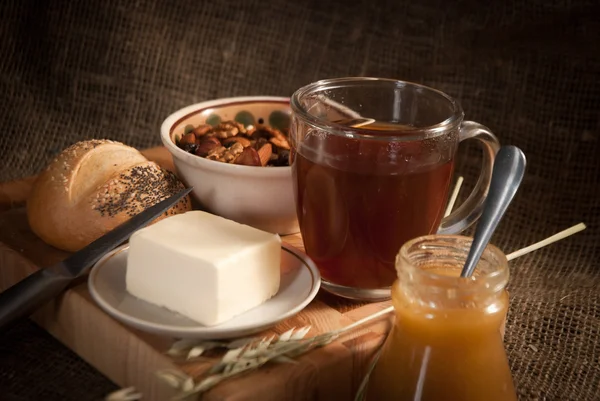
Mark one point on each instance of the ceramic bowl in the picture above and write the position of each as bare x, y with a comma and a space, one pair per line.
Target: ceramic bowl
262, 197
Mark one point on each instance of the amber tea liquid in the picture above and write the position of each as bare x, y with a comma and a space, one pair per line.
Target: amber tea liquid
359, 200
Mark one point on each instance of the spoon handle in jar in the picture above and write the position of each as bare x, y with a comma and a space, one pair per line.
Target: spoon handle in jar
509, 168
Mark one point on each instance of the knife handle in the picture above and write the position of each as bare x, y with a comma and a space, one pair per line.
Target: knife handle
24, 297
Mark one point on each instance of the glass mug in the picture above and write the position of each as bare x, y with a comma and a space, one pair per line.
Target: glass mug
372, 162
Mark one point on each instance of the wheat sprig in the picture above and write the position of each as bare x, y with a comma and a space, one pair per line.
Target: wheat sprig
248, 357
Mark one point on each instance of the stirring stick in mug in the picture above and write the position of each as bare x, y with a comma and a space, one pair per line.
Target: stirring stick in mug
454, 195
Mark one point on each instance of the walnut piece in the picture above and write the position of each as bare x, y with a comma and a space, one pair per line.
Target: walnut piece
226, 155
239, 139
202, 130
228, 129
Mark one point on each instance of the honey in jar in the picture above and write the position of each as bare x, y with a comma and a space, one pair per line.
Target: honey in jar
446, 342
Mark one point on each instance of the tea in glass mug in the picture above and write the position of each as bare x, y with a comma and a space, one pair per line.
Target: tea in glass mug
372, 162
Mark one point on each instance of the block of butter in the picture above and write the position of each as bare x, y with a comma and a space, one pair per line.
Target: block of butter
203, 266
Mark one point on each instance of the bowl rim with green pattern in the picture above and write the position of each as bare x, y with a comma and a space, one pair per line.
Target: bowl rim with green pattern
175, 119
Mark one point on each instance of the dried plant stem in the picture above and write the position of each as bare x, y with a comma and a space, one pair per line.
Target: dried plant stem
453, 197
364, 320
556, 237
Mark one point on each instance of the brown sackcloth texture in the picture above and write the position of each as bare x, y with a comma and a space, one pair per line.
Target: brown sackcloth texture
36, 367
529, 70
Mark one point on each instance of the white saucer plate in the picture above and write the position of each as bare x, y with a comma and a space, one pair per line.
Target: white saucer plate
300, 282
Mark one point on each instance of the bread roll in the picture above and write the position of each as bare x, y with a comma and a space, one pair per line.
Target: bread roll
92, 187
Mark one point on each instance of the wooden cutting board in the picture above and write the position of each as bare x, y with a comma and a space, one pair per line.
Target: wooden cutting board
130, 357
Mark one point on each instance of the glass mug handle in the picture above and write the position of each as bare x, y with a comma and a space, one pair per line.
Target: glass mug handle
471, 209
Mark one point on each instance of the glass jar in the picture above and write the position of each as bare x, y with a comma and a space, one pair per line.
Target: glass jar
446, 342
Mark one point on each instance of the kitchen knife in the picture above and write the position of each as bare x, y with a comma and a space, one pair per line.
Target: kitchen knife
27, 295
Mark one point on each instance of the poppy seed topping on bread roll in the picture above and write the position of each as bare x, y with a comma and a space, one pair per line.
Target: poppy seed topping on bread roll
91, 188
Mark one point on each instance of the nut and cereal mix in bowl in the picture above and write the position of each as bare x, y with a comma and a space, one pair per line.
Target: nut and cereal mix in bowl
235, 153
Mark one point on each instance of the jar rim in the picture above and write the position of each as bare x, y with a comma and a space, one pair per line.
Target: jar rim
499, 275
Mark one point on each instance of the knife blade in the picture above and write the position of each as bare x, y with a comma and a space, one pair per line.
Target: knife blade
24, 297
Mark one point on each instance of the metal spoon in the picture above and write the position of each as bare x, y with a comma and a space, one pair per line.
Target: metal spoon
509, 168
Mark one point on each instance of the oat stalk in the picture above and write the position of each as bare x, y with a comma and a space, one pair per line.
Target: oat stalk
248, 357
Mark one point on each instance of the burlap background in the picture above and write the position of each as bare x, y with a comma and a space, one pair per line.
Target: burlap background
527, 69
